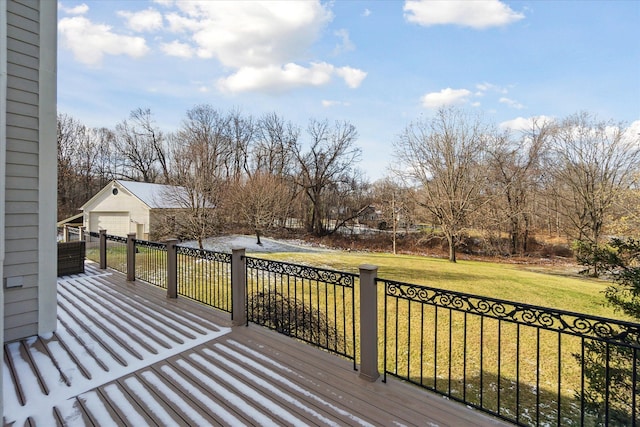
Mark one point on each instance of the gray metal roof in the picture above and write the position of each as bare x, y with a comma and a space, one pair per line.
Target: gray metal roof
157, 196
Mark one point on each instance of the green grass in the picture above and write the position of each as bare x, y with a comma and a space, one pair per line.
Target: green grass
418, 362
504, 281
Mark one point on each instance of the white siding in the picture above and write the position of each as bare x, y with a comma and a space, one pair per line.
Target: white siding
116, 223
22, 117
26, 149
111, 208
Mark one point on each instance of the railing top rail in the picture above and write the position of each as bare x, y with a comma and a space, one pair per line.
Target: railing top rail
116, 238
150, 244
94, 234
580, 324
204, 254
333, 277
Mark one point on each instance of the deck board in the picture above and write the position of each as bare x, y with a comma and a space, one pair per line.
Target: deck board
124, 354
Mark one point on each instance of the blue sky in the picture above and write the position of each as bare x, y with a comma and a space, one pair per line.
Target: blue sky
377, 64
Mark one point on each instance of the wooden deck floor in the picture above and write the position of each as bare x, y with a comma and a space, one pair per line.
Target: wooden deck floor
123, 354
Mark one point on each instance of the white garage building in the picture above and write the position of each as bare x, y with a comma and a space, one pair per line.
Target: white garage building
124, 207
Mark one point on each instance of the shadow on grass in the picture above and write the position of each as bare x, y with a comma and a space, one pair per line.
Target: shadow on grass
520, 403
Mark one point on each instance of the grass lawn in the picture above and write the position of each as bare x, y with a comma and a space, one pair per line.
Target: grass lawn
504, 281
543, 364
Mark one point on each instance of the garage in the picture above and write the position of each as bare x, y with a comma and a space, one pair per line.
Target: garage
116, 223
124, 207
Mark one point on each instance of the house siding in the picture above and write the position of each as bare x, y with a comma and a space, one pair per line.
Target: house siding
21, 179
27, 168
122, 202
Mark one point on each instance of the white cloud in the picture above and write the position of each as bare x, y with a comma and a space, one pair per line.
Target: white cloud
523, 124
511, 103
275, 78
144, 20
262, 45
485, 87
366, 13
181, 24
352, 76
250, 34
89, 42
632, 133
177, 48
478, 14
77, 10
346, 44
328, 103
445, 97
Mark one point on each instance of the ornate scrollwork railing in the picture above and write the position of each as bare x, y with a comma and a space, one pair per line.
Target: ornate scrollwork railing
118, 239
204, 254
331, 277
612, 331
151, 245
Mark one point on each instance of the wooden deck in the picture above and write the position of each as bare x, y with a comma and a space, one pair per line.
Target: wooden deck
123, 354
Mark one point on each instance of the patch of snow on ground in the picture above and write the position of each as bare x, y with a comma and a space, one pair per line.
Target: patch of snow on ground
226, 243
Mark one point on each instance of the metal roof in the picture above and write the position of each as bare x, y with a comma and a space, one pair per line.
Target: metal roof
157, 196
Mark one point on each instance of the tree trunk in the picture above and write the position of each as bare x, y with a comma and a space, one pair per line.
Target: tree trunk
258, 237
452, 248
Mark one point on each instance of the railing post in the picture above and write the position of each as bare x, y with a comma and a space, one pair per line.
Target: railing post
368, 323
238, 287
131, 257
103, 249
81, 233
172, 268
65, 233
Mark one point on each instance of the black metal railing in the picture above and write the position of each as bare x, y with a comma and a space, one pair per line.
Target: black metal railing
117, 253
151, 262
205, 276
525, 364
528, 365
93, 245
311, 304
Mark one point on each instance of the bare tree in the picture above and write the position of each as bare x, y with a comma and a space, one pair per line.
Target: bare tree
261, 200
141, 147
84, 155
329, 163
394, 204
444, 156
272, 148
241, 135
200, 148
592, 162
514, 165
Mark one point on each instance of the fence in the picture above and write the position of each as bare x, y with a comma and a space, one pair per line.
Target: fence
151, 262
525, 364
117, 253
204, 276
311, 304
528, 365
93, 246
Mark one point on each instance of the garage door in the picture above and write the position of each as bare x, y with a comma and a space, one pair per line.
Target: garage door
116, 223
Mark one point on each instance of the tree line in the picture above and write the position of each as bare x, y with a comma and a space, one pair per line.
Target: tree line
574, 178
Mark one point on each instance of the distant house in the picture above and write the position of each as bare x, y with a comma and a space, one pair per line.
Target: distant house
124, 207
